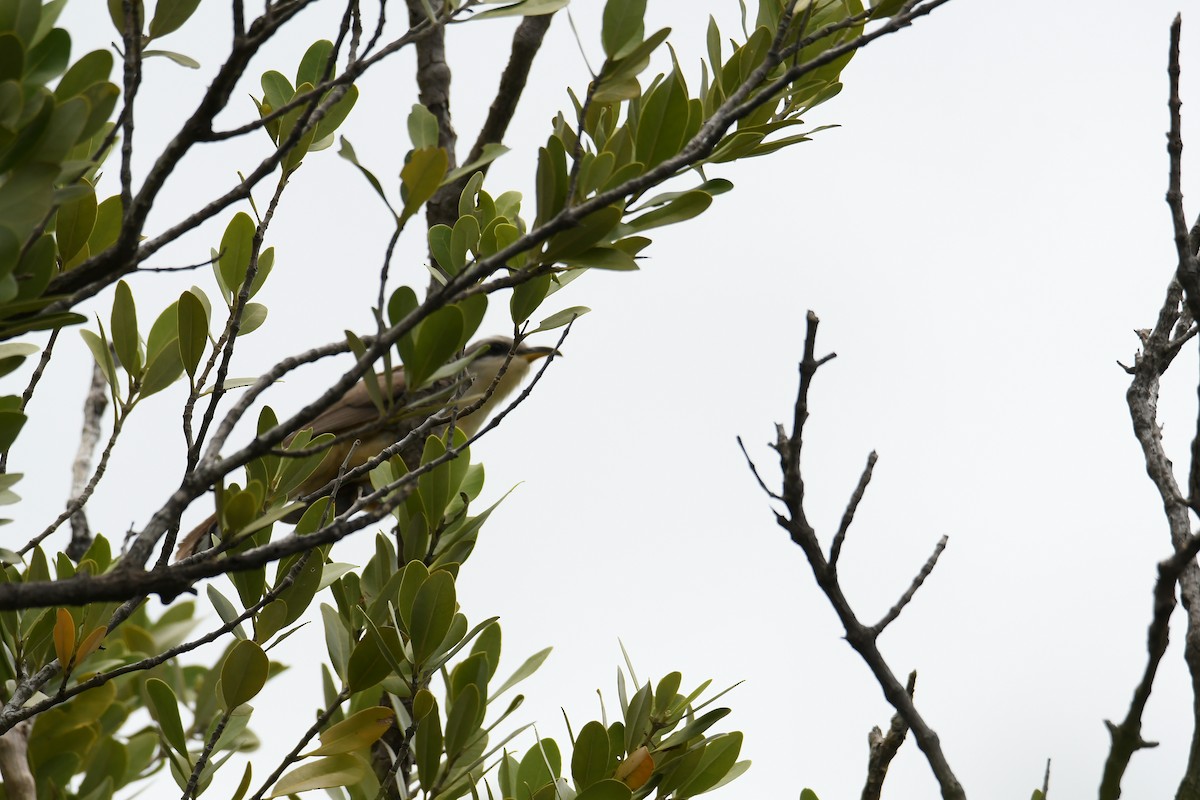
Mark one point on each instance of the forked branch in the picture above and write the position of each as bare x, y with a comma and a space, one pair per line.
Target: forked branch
862, 638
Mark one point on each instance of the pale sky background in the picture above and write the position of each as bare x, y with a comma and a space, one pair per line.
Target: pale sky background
980, 237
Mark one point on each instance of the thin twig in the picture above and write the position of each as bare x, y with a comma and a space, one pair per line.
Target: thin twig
190, 790
754, 471
907, 597
305, 738
835, 550
34, 379
862, 638
78, 501
15, 710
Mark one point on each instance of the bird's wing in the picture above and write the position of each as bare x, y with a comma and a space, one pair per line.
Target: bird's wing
355, 409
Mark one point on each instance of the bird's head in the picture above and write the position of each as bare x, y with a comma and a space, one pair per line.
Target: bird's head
489, 358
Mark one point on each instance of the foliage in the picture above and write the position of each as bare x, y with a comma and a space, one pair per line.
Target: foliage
408, 677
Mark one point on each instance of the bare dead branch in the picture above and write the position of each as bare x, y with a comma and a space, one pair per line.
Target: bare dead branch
862, 638
754, 471
78, 501
15, 772
883, 748
835, 550
527, 41
1158, 352
905, 598
93, 410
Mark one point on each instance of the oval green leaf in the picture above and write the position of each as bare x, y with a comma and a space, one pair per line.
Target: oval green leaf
244, 673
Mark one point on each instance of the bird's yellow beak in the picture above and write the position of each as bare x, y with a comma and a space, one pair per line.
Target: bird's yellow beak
532, 354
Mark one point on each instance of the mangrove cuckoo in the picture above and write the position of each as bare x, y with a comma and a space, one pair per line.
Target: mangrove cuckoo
354, 414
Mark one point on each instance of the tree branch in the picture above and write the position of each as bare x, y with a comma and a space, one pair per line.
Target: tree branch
93, 410
861, 637
883, 748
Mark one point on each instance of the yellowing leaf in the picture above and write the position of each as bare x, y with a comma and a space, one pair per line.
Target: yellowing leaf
637, 769
91, 642
64, 637
355, 733
421, 177
339, 770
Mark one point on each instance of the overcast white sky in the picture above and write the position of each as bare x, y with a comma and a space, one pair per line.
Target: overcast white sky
980, 238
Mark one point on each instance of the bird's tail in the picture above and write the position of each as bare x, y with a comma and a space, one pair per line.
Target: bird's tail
200, 538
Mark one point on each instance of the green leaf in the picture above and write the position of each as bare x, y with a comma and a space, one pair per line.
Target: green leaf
524, 671
712, 187
93, 68
415, 574
434, 341
463, 238
333, 118
48, 58
623, 27
541, 765
609, 789
356, 732
491, 152
463, 719
561, 318
164, 707
253, 316
663, 121
193, 331
526, 297
100, 352
694, 728
244, 673
163, 369
75, 223
236, 246
107, 227
346, 151
169, 16
596, 227
314, 63
124, 329
880, 9
225, 610
338, 770
688, 205
808, 794
428, 745
299, 595
592, 760
368, 665
611, 258
244, 785
637, 718
422, 127
433, 611
720, 754
526, 8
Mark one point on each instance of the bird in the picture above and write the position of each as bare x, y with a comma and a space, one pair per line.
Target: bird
355, 413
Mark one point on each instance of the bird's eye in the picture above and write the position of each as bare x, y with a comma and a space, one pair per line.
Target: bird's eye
498, 349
